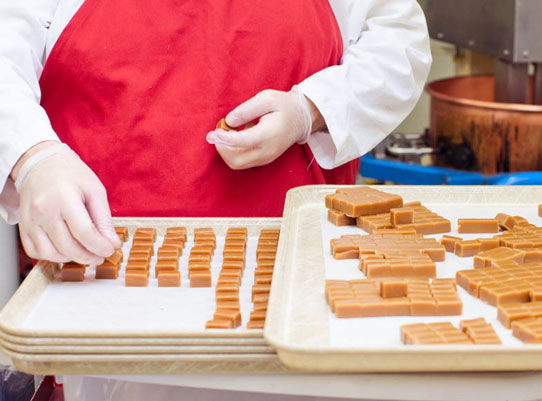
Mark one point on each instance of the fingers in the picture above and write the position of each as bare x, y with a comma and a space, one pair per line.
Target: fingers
264, 102
100, 214
83, 229
250, 138
39, 246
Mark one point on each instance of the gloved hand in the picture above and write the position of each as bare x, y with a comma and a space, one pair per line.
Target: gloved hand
64, 214
285, 118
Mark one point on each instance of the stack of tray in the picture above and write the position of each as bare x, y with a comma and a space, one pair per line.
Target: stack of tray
102, 327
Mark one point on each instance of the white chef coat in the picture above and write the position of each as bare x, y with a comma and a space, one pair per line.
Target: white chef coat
382, 71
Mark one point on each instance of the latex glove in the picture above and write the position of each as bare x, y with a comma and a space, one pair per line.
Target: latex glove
64, 214
284, 119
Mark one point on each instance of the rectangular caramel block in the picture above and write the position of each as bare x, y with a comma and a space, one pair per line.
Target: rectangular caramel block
122, 233
256, 324
169, 278
477, 226
540, 210
260, 289
165, 267
467, 248
116, 257
339, 218
72, 273
449, 242
218, 324
479, 331
393, 288
401, 216
228, 306
168, 252
146, 230
227, 287
361, 201
258, 315
232, 296
234, 317
138, 265
433, 333
488, 243
200, 280
136, 279
506, 222
142, 248
508, 313
528, 330
177, 231
237, 230
107, 271
175, 242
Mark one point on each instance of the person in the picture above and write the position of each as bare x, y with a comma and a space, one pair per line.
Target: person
109, 108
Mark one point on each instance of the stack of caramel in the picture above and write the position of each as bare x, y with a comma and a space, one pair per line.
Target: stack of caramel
201, 254
167, 263
228, 309
139, 260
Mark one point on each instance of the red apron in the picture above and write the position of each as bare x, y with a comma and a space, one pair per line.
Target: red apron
134, 86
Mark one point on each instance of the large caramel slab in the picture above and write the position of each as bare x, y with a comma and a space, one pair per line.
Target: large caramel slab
362, 201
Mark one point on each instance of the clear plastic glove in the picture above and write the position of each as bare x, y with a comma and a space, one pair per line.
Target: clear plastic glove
284, 119
64, 214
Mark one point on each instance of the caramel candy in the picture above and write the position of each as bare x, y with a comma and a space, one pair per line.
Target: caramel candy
228, 305
260, 289
234, 317
232, 296
142, 248
258, 314
227, 287
218, 324
477, 226
122, 233
202, 250
170, 252
222, 124
488, 243
165, 266
174, 242
540, 210
72, 273
136, 279
528, 330
362, 201
177, 231
467, 248
256, 324
393, 288
138, 265
507, 313
260, 306
449, 242
433, 333
479, 331
200, 280
339, 218
506, 221
237, 230
261, 297
107, 271
170, 278
233, 265
267, 279
146, 230
401, 216
116, 257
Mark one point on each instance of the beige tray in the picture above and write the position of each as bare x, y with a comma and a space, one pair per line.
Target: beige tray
138, 349
298, 321
159, 364
26, 298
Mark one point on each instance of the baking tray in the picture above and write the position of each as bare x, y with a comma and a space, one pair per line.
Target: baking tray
132, 364
142, 314
307, 335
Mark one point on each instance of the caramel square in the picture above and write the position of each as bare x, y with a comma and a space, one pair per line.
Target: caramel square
136, 279
200, 280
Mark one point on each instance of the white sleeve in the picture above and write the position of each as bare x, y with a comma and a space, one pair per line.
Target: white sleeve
23, 122
381, 75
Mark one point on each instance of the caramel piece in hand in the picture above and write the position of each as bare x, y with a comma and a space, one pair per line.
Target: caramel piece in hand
136, 279
73, 273
477, 226
339, 218
222, 124
169, 279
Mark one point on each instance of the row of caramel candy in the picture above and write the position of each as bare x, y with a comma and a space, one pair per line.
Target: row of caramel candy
393, 297
228, 308
139, 259
200, 257
167, 262
266, 252
472, 331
